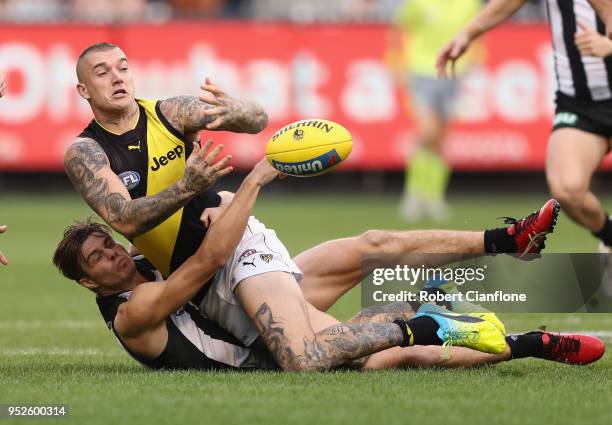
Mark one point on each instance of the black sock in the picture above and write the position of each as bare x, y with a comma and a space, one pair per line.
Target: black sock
419, 331
605, 234
498, 241
525, 345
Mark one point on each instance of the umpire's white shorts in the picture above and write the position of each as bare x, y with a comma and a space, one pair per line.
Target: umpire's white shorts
260, 251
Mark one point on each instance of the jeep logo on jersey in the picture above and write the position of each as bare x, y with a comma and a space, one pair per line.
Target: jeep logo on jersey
311, 166
130, 179
164, 159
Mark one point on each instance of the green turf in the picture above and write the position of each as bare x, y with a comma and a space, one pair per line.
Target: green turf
54, 347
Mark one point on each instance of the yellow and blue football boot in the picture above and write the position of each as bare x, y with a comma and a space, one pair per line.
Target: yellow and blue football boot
478, 331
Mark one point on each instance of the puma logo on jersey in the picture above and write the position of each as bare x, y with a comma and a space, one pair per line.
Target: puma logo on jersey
163, 160
134, 147
252, 263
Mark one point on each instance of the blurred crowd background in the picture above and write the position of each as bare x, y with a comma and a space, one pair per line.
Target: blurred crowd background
114, 11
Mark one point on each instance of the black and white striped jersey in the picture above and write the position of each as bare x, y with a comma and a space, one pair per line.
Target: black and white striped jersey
581, 77
194, 342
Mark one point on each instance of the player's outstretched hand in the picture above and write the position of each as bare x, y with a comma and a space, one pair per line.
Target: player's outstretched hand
224, 107
591, 43
450, 53
263, 173
2, 85
3, 259
201, 172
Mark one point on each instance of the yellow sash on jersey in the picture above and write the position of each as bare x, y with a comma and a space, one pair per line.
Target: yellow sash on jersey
166, 165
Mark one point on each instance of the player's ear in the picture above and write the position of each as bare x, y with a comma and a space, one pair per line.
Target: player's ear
83, 91
89, 284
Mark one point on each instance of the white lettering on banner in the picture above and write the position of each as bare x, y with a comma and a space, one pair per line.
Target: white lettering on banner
369, 92
11, 148
487, 148
473, 97
203, 60
517, 93
60, 87
29, 63
270, 84
513, 91
549, 88
308, 75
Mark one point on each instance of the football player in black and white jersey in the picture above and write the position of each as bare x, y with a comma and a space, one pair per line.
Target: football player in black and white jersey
582, 127
159, 325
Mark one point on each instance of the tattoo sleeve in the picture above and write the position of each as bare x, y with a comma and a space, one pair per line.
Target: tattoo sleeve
185, 114
89, 170
335, 346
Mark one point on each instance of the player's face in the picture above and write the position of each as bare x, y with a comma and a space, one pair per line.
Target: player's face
107, 263
107, 80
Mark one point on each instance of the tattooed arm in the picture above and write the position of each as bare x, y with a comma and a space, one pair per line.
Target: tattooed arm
213, 110
89, 170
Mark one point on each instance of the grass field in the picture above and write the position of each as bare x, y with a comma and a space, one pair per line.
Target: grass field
54, 347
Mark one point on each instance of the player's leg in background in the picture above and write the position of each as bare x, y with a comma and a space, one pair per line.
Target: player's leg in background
572, 158
427, 174
427, 356
334, 267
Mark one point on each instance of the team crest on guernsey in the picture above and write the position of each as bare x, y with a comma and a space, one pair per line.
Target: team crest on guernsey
130, 179
266, 257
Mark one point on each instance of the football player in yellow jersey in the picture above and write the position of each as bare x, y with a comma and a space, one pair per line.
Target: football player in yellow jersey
421, 29
130, 165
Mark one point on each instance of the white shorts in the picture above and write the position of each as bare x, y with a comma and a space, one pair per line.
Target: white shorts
260, 251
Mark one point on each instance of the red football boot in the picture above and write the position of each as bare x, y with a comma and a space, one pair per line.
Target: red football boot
530, 232
573, 349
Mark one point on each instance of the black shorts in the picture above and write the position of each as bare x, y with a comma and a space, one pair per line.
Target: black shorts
589, 116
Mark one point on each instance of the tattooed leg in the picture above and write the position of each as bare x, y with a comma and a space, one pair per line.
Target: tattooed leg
334, 267
277, 307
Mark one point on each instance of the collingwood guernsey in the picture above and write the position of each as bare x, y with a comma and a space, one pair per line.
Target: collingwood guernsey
581, 77
194, 342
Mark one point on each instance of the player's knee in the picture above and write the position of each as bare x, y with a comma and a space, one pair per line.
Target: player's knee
569, 194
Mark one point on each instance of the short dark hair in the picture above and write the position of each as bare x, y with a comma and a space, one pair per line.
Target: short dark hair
96, 47
68, 257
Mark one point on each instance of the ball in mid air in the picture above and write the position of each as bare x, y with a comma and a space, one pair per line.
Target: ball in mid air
309, 147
